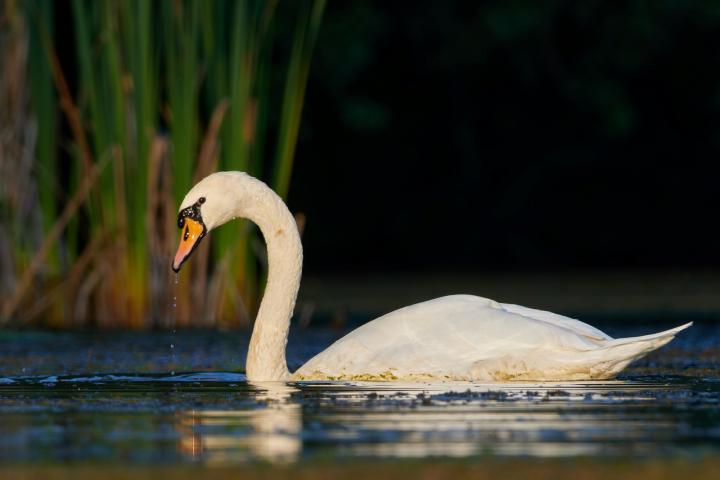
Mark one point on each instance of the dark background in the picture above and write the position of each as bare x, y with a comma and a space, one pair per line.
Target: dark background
515, 135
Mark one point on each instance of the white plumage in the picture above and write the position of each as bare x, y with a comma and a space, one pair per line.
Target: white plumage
459, 337
463, 337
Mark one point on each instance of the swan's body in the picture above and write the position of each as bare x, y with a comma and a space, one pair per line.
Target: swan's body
464, 337
459, 337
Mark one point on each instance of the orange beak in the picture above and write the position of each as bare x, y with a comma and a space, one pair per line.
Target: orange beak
192, 232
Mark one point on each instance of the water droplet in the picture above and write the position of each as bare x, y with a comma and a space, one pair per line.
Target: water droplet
173, 358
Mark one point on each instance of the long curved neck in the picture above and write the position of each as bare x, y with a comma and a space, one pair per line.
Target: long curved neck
266, 355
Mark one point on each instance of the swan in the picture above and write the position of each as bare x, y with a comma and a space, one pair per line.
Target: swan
457, 337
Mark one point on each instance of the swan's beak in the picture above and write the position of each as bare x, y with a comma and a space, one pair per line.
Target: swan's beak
192, 232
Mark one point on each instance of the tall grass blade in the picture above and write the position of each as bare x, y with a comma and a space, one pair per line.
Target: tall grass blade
306, 33
153, 79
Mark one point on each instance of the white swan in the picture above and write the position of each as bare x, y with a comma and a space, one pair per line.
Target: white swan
459, 337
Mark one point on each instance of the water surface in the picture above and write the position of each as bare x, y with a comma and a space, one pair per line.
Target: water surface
80, 397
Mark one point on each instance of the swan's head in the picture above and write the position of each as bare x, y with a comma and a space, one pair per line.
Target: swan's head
209, 204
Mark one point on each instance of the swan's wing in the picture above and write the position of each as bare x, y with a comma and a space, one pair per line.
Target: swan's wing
440, 338
581, 328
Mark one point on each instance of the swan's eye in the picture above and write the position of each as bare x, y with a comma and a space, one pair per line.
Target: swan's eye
192, 212
201, 200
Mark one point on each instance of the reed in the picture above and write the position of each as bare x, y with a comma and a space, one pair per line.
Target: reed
166, 92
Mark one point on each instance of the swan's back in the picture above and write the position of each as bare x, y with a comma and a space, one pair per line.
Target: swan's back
464, 337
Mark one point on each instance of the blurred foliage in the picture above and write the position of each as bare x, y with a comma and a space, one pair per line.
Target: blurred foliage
504, 134
154, 96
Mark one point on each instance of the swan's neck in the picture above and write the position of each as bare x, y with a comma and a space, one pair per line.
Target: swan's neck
266, 355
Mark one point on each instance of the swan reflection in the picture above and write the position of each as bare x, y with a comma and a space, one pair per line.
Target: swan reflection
268, 430
428, 419
466, 419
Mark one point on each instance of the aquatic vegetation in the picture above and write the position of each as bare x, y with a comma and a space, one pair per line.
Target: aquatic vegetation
153, 96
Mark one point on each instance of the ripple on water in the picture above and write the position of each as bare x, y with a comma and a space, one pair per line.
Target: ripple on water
219, 417
664, 407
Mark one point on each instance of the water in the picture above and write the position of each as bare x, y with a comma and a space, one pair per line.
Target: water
667, 405
174, 322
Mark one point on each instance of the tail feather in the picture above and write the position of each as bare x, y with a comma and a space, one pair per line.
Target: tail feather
616, 354
667, 334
